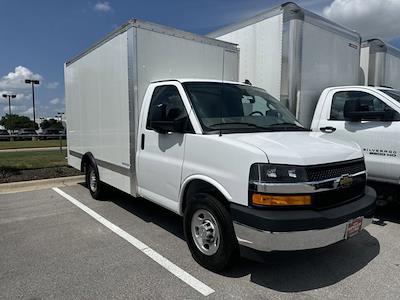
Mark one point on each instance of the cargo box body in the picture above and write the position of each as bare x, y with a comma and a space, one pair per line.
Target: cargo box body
294, 54
105, 86
380, 64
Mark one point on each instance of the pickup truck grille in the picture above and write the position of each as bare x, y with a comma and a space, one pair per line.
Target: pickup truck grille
334, 170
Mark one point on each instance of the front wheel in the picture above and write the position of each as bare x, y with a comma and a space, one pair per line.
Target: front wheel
209, 232
93, 181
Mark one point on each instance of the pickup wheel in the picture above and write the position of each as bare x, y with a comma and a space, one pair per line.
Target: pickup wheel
209, 232
92, 180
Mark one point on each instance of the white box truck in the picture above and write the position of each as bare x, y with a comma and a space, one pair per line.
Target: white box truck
294, 54
380, 64
228, 157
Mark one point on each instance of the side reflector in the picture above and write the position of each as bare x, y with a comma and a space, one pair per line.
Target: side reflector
272, 200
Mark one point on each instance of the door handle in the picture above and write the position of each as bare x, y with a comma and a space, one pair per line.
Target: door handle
328, 129
142, 142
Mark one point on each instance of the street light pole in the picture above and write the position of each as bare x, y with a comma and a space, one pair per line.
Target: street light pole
59, 115
33, 82
9, 96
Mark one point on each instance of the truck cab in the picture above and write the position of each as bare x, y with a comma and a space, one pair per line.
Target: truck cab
369, 116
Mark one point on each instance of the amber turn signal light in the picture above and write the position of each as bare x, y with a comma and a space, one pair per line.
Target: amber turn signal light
280, 200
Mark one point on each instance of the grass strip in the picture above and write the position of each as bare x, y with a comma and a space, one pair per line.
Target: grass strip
11, 161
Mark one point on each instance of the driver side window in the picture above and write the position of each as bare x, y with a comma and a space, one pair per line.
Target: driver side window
169, 97
367, 103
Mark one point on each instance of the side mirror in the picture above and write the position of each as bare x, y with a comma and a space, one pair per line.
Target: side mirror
171, 122
355, 112
163, 127
389, 115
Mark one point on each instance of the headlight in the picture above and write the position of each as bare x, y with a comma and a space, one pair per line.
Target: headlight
271, 173
264, 175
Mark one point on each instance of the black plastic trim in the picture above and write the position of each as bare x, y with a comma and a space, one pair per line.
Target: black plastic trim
101, 163
306, 219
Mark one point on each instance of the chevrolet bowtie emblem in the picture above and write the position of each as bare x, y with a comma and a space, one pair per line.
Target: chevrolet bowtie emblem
345, 181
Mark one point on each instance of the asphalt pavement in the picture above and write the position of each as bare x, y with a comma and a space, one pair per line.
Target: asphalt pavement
65, 245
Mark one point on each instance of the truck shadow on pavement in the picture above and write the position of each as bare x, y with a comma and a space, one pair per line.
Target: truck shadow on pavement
305, 270
390, 212
146, 210
294, 271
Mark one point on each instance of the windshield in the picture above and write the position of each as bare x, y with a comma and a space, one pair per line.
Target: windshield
392, 93
238, 108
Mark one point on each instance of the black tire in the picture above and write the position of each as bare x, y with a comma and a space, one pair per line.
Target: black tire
228, 249
91, 175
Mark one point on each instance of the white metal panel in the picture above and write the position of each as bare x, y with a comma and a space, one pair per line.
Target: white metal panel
114, 179
161, 57
228, 167
392, 71
231, 66
260, 53
328, 59
74, 162
98, 108
97, 89
364, 65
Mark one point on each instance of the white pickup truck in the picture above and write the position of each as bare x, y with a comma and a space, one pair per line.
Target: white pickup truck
369, 116
228, 157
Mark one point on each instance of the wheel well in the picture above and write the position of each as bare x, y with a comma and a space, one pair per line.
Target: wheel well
87, 158
198, 185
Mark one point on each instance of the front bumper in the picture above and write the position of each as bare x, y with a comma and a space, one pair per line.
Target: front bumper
284, 230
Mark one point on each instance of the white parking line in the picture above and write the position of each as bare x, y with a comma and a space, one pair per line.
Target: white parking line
161, 260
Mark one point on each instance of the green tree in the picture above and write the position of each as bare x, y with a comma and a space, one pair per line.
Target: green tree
51, 124
16, 122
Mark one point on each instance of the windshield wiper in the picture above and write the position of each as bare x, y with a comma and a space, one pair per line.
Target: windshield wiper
286, 125
238, 123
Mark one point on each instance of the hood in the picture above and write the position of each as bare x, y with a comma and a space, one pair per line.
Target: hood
299, 148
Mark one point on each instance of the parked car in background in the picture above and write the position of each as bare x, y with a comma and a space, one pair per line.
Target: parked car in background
50, 134
4, 135
26, 134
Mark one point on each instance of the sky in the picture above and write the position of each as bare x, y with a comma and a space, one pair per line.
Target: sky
37, 37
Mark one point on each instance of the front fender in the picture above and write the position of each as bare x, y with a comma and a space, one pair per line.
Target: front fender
205, 178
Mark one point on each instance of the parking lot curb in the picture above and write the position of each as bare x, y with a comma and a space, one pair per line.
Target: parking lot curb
32, 149
33, 185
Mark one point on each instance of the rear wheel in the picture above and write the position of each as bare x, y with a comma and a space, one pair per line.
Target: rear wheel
93, 181
209, 232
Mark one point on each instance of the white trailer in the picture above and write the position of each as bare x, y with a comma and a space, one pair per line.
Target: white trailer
294, 54
106, 84
380, 64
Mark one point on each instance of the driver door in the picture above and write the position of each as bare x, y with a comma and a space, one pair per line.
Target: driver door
161, 155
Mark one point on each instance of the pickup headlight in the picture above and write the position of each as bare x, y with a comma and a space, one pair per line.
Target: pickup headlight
263, 175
